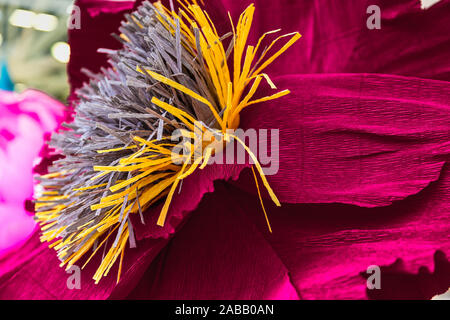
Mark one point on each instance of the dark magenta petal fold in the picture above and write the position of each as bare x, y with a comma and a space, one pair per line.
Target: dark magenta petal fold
411, 41
326, 247
185, 201
33, 272
401, 284
219, 254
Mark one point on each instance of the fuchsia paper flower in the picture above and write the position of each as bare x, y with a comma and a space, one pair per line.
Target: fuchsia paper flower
363, 180
25, 120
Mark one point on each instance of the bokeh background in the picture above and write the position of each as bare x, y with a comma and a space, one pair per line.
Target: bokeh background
33, 46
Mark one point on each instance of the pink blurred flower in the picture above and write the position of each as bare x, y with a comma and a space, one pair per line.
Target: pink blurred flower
25, 120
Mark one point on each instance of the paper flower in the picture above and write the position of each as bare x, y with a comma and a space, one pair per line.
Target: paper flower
365, 154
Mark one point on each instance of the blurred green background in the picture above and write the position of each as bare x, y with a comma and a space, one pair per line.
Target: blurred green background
33, 45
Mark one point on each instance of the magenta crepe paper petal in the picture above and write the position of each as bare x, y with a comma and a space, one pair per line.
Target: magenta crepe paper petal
184, 202
25, 120
367, 140
221, 243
